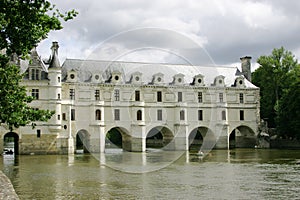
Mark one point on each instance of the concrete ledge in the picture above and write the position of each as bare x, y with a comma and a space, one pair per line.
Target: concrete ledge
7, 191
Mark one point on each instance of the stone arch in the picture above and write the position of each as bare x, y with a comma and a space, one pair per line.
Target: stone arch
82, 141
201, 138
118, 137
242, 137
158, 137
11, 143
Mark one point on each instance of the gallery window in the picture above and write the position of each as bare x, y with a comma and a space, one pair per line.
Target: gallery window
200, 115
72, 114
139, 115
137, 95
159, 96
98, 114
97, 95
221, 98
159, 115
117, 95
179, 96
72, 94
223, 115
241, 98
35, 93
117, 114
242, 115
200, 99
181, 115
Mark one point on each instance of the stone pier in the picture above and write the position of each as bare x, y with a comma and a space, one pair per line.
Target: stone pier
7, 191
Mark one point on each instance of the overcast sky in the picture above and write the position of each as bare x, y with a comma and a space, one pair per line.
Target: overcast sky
177, 31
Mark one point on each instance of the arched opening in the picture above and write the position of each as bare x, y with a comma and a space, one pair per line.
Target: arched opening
82, 141
139, 115
113, 138
159, 137
98, 114
201, 138
242, 137
11, 143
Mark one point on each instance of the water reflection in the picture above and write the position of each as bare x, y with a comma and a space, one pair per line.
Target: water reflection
221, 174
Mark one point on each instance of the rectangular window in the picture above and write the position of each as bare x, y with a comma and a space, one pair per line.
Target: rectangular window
58, 117
35, 93
72, 114
241, 98
159, 96
64, 116
38, 133
200, 99
58, 96
200, 115
242, 115
58, 79
223, 115
117, 95
97, 95
117, 114
179, 96
221, 99
137, 95
72, 94
35, 74
159, 115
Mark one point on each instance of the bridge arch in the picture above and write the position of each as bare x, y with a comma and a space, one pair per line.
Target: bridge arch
118, 137
201, 138
82, 141
242, 137
11, 143
159, 137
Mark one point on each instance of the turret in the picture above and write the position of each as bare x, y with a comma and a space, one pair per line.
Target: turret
246, 67
54, 76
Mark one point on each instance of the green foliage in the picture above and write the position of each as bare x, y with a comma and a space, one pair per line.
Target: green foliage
276, 82
23, 24
288, 118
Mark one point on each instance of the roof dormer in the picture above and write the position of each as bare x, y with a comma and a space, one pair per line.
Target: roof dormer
239, 82
219, 81
136, 78
116, 77
178, 79
72, 76
97, 77
198, 80
158, 79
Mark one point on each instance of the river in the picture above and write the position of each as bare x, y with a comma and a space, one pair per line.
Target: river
221, 174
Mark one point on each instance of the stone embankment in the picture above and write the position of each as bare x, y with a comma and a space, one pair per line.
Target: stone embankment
7, 191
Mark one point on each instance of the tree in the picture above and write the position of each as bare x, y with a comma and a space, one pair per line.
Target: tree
272, 78
288, 118
23, 24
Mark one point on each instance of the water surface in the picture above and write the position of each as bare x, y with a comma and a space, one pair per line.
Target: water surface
222, 174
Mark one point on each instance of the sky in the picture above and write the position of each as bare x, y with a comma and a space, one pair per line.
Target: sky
198, 32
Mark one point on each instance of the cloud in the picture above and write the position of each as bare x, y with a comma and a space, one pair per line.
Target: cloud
224, 30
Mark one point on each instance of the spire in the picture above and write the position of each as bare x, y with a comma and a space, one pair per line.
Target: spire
54, 63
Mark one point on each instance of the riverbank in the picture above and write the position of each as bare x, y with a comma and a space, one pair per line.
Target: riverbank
7, 191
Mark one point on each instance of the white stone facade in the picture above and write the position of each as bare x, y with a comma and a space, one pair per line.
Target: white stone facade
90, 98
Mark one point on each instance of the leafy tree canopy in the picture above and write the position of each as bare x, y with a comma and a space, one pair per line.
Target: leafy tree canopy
23, 24
275, 77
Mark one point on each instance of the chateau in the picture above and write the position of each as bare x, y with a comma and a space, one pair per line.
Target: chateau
146, 103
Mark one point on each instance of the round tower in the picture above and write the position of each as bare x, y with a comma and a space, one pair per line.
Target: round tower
54, 89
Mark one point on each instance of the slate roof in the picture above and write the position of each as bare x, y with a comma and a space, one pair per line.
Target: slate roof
86, 68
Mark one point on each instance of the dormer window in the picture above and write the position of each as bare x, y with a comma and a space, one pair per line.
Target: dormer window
72, 76
116, 77
219, 81
158, 78
178, 79
96, 77
136, 78
35, 74
198, 80
239, 82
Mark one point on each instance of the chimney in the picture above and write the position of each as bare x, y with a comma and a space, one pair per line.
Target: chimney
54, 62
54, 48
246, 67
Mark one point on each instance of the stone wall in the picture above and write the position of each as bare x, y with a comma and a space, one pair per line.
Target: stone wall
7, 191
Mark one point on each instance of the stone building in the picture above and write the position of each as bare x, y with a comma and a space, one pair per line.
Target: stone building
145, 103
